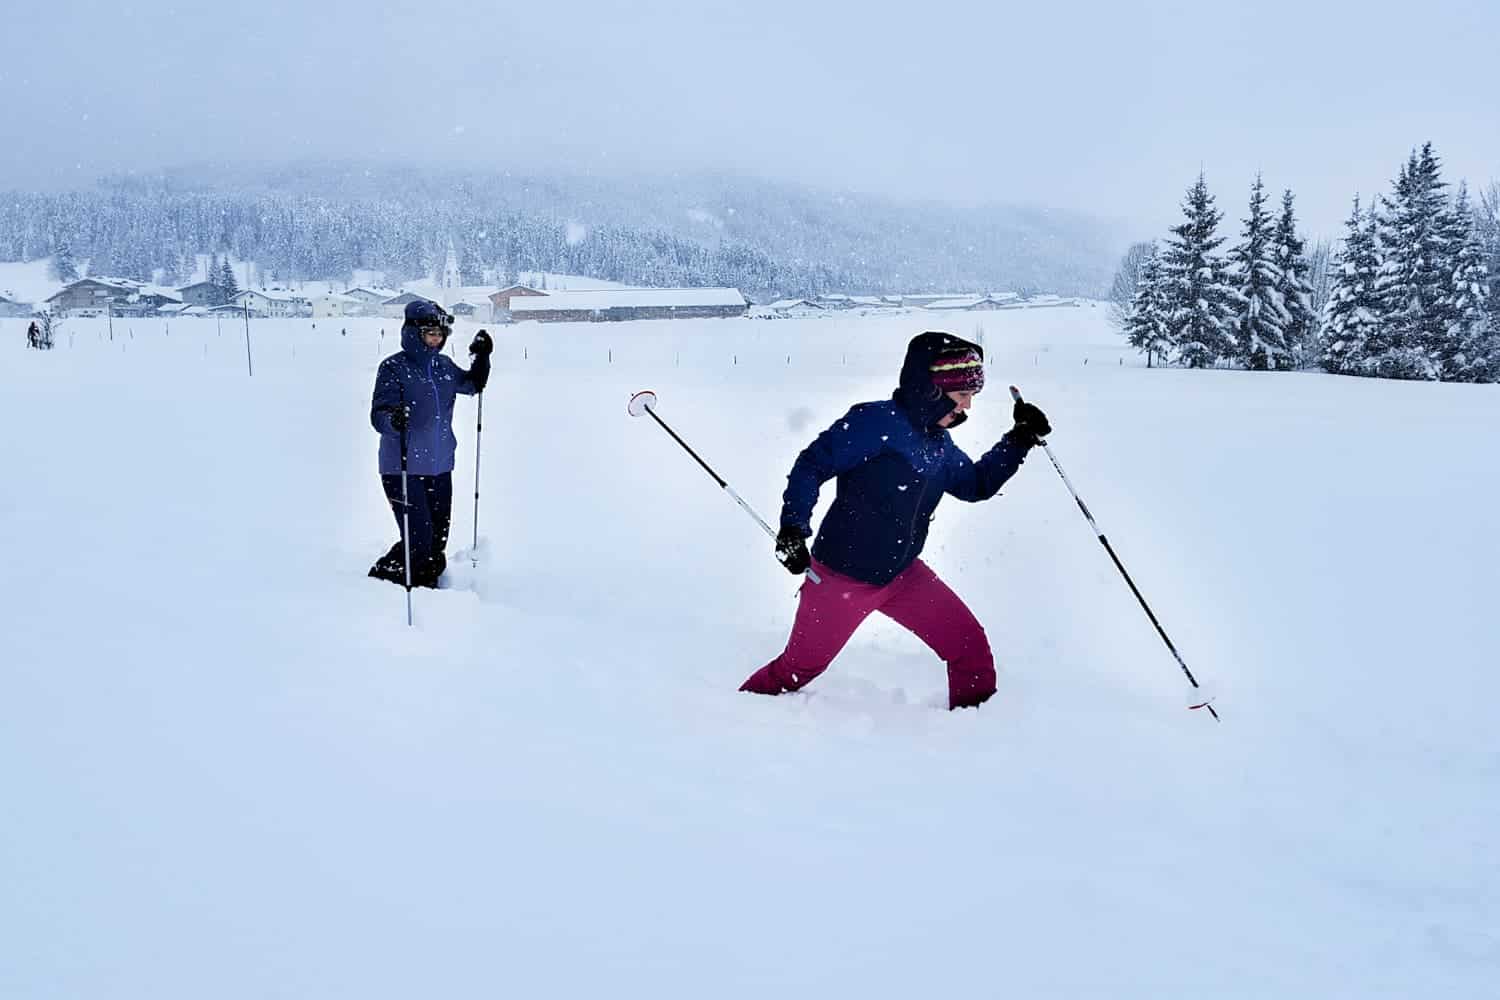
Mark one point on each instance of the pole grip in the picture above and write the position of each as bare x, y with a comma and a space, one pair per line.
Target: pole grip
812, 574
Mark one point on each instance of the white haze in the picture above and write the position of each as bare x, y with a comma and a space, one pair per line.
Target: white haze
1098, 107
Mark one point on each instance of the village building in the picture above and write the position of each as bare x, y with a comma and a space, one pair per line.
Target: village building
500, 301
614, 304
202, 293
110, 296
336, 304
90, 297
273, 304
370, 298
794, 307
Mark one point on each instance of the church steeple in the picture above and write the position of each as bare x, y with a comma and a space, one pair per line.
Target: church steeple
450, 268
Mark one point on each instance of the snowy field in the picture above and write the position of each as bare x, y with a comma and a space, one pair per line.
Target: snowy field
230, 770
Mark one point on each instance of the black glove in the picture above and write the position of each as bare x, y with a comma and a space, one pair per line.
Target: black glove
791, 549
400, 417
1031, 424
482, 345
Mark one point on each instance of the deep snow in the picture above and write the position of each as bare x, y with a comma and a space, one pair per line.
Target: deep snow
229, 769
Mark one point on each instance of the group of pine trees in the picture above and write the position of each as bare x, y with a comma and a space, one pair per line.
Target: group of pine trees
141, 232
1410, 295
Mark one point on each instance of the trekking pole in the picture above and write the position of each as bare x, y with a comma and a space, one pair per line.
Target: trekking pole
405, 511
644, 402
249, 364
478, 430
1200, 697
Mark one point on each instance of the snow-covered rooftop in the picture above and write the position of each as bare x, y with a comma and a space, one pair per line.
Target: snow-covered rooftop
628, 298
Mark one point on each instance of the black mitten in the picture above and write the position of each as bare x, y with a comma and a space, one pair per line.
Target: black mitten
791, 549
1031, 423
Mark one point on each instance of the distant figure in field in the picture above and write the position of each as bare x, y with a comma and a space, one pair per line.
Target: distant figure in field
412, 408
894, 460
33, 335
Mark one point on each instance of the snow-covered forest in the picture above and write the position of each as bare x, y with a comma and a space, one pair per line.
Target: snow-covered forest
769, 239
1413, 293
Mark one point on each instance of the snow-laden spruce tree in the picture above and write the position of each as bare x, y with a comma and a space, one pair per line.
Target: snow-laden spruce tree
470, 266
1469, 352
1289, 253
1146, 319
1260, 319
1416, 269
1351, 339
1197, 297
1487, 232
62, 267
226, 280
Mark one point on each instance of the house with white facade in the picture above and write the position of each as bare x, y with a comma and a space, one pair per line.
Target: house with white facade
273, 304
336, 304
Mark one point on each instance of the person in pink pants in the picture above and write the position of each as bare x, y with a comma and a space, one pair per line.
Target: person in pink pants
894, 460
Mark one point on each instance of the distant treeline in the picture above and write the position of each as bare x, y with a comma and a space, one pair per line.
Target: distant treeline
325, 221
131, 234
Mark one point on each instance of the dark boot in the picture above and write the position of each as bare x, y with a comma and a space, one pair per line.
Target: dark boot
391, 566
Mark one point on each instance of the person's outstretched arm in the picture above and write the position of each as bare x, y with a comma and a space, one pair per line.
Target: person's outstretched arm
857, 437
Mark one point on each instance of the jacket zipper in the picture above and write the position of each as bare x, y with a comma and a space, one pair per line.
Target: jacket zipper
911, 531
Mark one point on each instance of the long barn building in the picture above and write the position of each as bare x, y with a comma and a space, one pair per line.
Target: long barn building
612, 304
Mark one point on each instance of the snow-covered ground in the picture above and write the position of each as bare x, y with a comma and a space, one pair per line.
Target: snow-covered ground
28, 281
230, 770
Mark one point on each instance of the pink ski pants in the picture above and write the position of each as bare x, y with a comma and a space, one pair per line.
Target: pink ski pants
828, 613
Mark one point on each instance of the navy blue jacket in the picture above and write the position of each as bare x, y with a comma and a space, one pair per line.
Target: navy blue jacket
893, 465
428, 381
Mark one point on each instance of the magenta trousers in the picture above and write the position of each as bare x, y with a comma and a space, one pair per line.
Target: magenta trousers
828, 613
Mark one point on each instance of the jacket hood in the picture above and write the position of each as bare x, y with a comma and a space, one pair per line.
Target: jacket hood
423, 311
922, 402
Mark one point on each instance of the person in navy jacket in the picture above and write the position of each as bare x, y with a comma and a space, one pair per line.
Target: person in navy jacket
894, 460
414, 394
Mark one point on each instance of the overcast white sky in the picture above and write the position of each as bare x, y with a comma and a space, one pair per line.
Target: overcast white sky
1105, 107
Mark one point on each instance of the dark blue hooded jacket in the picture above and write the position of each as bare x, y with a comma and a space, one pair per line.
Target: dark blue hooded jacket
428, 381
893, 465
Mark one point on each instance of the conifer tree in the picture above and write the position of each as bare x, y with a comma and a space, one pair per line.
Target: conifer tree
1145, 320
1293, 287
63, 267
1198, 301
1351, 342
470, 267
1260, 321
226, 280
1414, 274
1469, 352
1487, 232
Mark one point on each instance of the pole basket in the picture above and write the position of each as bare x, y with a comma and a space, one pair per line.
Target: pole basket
641, 402
1199, 698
